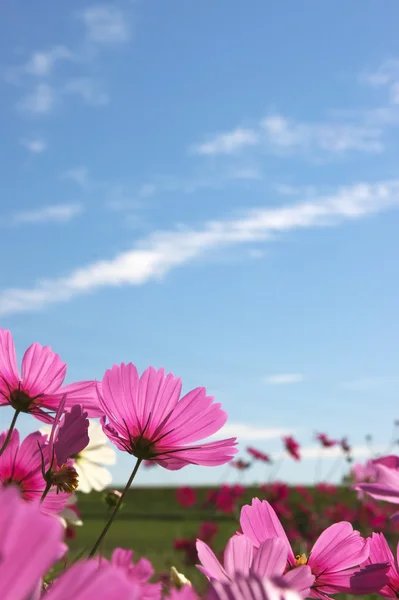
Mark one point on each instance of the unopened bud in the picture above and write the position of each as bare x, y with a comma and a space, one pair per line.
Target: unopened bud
178, 579
111, 498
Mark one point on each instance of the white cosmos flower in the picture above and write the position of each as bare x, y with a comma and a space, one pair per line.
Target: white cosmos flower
68, 515
89, 463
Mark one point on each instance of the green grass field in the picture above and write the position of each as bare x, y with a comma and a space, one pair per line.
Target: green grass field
149, 522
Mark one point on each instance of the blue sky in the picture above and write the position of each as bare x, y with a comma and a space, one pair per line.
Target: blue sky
211, 187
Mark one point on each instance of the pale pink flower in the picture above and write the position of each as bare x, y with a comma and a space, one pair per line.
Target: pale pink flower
386, 482
139, 573
252, 587
39, 390
30, 542
147, 419
22, 465
87, 581
241, 557
334, 558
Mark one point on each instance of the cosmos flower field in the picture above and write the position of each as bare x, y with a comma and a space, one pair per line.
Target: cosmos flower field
65, 533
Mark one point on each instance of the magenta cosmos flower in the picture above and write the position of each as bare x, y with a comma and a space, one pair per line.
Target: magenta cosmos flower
147, 419
334, 558
39, 390
241, 557
292, 447
22, 466
138, 573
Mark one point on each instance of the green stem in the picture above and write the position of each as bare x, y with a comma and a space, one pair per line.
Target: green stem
116, 509
11, 429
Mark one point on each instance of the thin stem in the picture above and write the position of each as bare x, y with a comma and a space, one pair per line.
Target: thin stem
277, 467
46, 491
334, 466
11, 429
318, 464
116, 509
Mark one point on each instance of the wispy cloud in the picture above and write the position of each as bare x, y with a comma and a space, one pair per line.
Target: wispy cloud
105, 24
158, 254
41, 63
79, 175
370, 383
227, 143
283, 378
89, 90
251, 432
34, 145
39, 102
287, 136
57, 213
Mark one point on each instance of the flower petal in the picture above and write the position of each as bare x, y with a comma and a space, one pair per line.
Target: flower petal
238, 555
42, 371
271, 558
210, 566
9, 376
339, 547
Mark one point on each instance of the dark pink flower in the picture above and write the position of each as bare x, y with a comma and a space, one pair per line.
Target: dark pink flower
207, 531
186, 496
325, 441
292, 447
39, 390
138, 573
258, 455
147, 419
240, 465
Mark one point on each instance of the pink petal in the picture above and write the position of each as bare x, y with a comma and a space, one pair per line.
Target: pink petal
29, 544
260, 522
117, 397
211, 454
42, 371
252, 588
210, 566
8, 458
370, 580
86, 581
72, 436
339, 547
83, 393
9, 376
157, 397
271, 558
238, 555
301, 579
195, 417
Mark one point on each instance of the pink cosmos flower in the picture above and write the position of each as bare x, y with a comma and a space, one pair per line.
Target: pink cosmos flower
380, 554
292, 447
241, 557
258, 455
386, 486
30, 542
325, 441
39, 389
68, 437
139, 573
147, 419
22, 465
334, 558
240, 464
87, 581
186, 496
252, 587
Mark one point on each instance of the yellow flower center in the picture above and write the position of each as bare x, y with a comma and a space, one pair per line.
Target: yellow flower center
65, 479
301, 559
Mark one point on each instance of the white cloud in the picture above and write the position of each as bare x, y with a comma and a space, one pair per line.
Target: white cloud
105, 24
79, 175
41, 63
283, 378
369, 383
155, 256
228, 143
58, 213
249, 432
286, 136
34, 145
386, 73
256, 253
39, 102
87, 89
